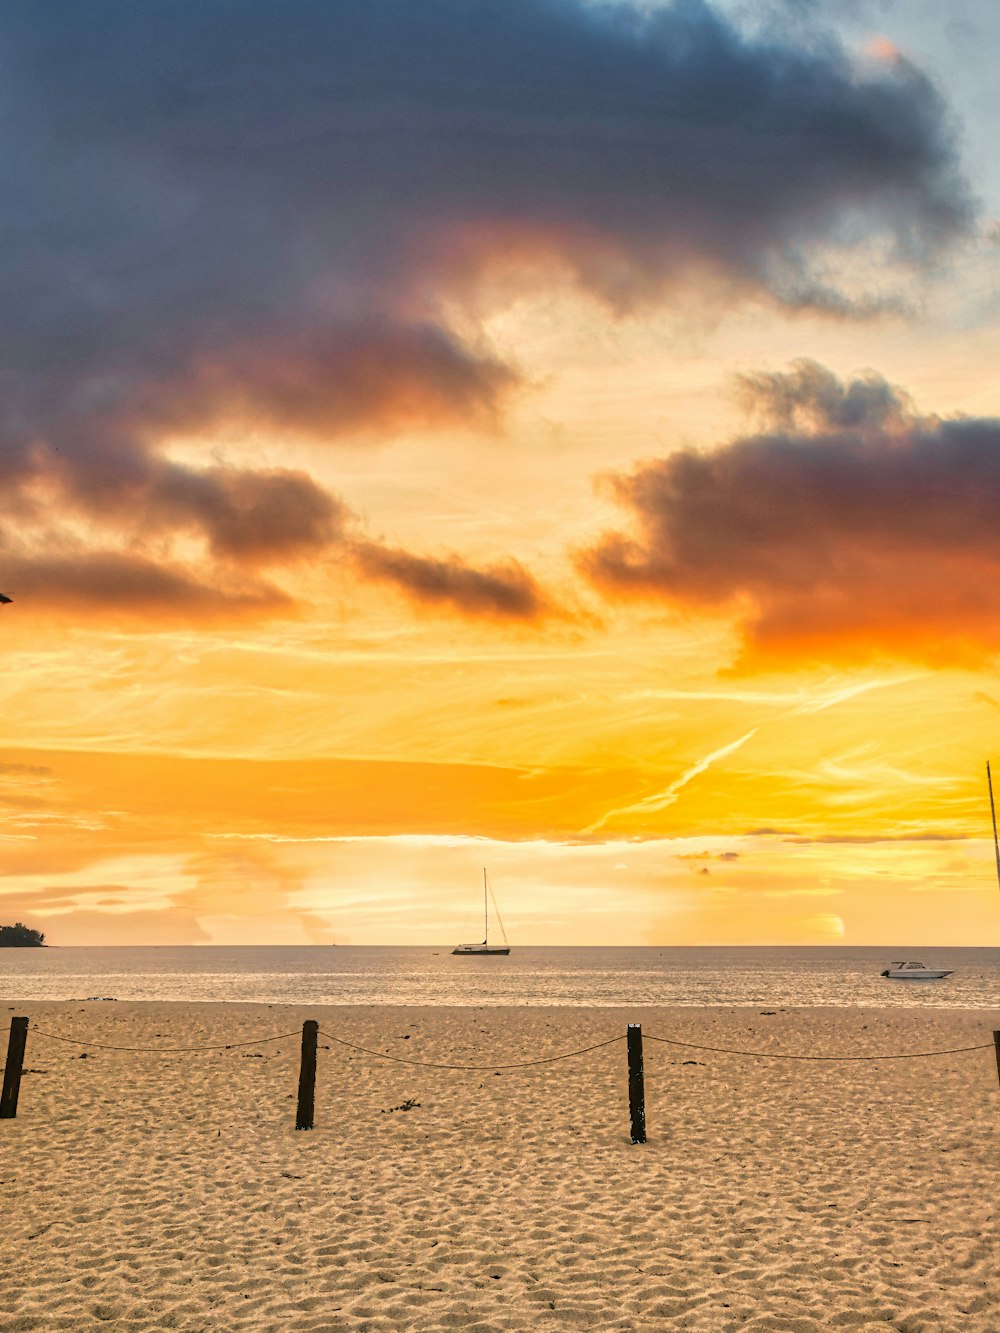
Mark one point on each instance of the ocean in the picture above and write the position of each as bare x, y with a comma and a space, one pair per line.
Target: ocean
348, 974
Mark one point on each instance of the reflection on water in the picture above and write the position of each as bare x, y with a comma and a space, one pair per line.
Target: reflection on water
536, 976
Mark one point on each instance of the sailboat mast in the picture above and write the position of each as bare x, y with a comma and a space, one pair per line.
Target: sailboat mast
993, 816
486, 909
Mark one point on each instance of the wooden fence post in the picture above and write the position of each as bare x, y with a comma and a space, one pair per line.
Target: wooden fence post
307, 1076
996, 1043
636, 1092
15, 1063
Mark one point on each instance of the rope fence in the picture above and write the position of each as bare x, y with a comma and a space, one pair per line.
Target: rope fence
787, 1055
477, 1069
164, 1050
305, 1107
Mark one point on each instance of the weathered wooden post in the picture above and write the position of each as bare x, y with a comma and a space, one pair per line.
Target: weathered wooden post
307, 1076
15, 1063
636, 1092
996, 1045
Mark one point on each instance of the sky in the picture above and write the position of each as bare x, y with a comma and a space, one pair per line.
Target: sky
554, 436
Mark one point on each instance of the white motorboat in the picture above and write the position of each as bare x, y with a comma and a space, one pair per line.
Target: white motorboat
916, 972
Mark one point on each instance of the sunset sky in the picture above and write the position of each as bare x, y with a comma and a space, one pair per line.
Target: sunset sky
548, 435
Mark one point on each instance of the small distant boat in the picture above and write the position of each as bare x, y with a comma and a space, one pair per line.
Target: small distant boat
916, 972
486, 947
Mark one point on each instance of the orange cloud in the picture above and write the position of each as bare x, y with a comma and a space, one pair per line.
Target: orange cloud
851, 527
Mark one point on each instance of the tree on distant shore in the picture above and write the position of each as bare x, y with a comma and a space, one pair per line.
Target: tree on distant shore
20, 936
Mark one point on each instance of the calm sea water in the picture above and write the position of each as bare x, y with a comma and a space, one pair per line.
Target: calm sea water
535, 976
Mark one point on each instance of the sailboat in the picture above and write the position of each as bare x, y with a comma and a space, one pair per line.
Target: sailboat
486, 946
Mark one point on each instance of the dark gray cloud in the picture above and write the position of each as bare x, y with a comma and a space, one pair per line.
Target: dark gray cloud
244, 516
327, 381
812, 398
258, 517
854, 527
503, 592
117, 585
123, 585
221, 213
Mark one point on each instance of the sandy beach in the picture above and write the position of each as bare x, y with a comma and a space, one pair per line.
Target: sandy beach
143, 1191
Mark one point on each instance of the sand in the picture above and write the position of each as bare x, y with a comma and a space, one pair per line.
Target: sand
146, 1191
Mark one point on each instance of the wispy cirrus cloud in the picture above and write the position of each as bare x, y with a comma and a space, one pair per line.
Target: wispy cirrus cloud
851, 526
660, 800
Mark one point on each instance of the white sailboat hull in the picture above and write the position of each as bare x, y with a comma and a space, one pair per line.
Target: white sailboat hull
481, 948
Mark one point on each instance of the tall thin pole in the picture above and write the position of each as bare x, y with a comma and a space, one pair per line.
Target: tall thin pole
486, 908
993, 816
